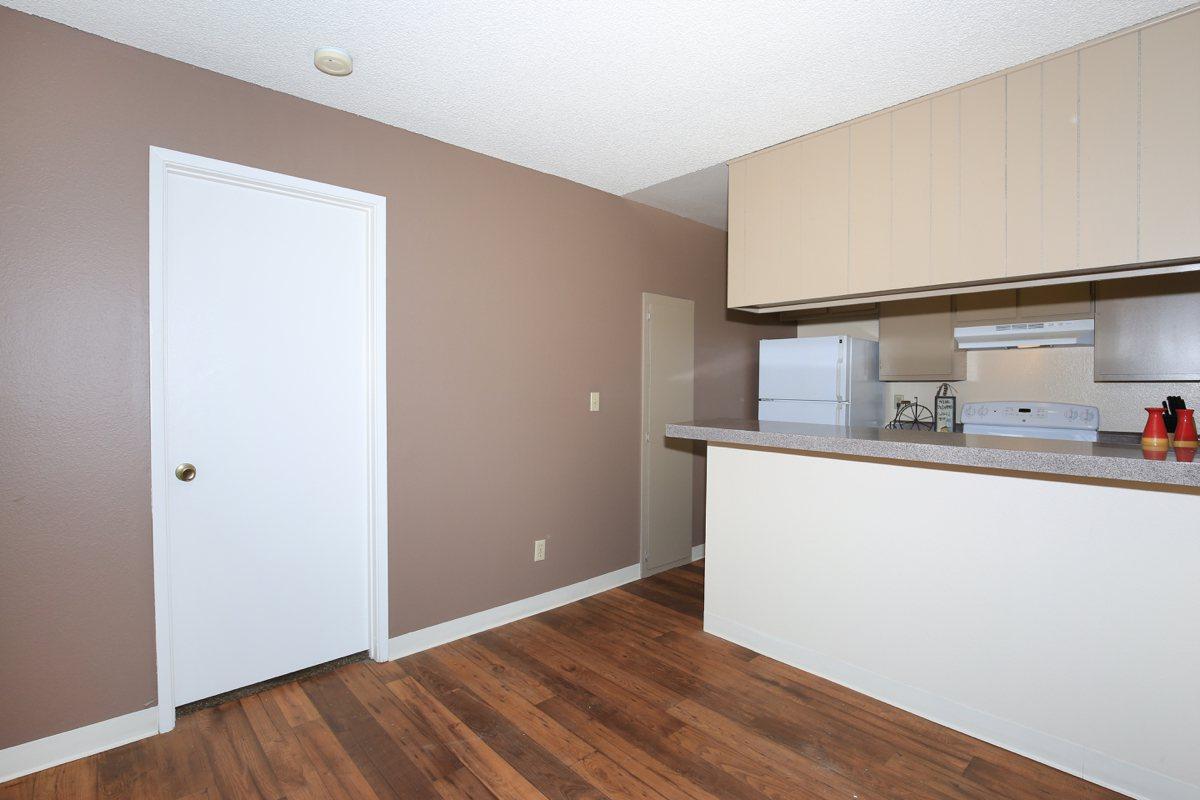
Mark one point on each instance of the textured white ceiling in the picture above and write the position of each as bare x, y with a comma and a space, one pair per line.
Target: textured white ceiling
616, 94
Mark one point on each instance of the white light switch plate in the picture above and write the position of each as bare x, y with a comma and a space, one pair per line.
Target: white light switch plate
594, 401
539, 550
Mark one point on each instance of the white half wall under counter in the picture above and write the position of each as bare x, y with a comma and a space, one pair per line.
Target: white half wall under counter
1053, 615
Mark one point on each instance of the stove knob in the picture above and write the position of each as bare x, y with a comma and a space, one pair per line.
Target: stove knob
1072, 414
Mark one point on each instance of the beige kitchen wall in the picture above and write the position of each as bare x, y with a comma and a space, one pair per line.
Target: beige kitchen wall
511, 295
1053, 374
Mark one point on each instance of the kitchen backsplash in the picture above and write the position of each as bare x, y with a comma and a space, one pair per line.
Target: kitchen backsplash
1054, 374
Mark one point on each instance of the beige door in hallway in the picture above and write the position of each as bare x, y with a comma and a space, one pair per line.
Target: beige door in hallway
668, 377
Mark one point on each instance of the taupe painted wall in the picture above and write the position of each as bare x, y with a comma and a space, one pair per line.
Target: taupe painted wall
511, 295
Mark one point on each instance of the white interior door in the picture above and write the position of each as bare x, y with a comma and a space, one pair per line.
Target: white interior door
266, 324
668, 376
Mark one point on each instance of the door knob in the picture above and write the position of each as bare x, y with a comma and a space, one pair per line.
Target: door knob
185, 472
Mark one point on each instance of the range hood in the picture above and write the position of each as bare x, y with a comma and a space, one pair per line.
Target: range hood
1063, 333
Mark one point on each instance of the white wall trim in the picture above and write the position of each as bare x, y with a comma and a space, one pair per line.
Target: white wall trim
162, 163
23, 759
1120, 776
445, 632
697, 552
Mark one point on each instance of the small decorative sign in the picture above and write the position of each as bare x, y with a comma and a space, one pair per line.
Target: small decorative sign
943, 413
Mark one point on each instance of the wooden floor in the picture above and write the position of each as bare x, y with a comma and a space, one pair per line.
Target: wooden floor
620, 696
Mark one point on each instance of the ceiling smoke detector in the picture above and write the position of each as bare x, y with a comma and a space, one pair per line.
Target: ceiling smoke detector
333, 61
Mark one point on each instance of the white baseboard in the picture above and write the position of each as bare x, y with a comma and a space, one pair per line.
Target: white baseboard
697, 552
1120, 776
22, 759
416, 641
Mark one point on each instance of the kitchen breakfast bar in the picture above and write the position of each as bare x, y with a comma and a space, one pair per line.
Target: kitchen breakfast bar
1040, 595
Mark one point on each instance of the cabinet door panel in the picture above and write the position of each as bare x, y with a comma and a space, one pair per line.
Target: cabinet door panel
1060, 164
1108, 170
945, 177
982, 147
980, 307
736, 241
910, 195
1072, 300
766, 276
791, 203
825, 213
916, 341
871, 204
760, 228
1170, 140
1147, 329
1023, 170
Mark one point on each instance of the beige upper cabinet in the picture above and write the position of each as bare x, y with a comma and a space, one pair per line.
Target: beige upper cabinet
910, 195
1169, 145
761, 228
789, 162
945, 183
1041, 168
916, 341
758, 268
980, 307
871, 205
1148, 329
1108, 152
1080, 163
736, 274
981, 128
1063, 301
824, 213
1060, 167
1023, 171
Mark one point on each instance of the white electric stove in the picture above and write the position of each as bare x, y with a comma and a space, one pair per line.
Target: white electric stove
1036, 420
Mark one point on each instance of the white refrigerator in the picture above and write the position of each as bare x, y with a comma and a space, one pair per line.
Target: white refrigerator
826, 380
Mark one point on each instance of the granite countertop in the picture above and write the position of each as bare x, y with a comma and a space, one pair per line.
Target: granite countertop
1115, 457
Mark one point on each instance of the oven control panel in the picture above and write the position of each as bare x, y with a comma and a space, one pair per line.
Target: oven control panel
1032, 415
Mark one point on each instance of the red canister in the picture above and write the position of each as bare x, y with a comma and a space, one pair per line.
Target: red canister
1185, 429
1154, 435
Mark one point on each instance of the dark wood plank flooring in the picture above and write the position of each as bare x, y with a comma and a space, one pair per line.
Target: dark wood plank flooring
619, 696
